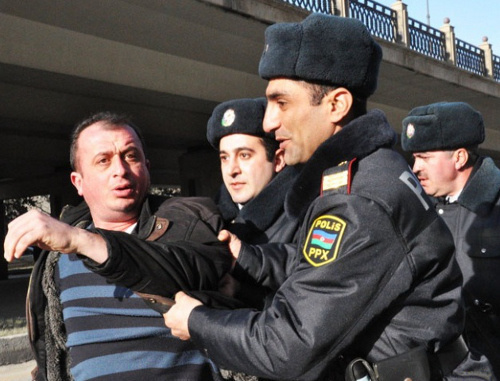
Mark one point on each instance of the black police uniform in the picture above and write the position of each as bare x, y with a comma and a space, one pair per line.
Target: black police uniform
263, 218
373, 275
474, 221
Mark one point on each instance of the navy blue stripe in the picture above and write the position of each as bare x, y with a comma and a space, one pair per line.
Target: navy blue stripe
83, 280
167, 343
185, 373
101, 322
119, 303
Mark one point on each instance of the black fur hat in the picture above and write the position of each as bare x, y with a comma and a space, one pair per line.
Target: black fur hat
442, 126
323, 49
237, 116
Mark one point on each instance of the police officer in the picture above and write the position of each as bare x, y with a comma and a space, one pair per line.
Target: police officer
251, 200
373, 280
465, 186
256, 180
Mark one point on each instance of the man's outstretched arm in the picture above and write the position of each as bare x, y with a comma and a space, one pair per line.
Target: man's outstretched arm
35, 228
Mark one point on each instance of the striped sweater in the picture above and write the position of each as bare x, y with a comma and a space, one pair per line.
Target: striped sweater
113, 335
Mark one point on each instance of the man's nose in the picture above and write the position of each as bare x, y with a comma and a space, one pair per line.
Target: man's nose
120, 166
234, 167
416, 166
271, 121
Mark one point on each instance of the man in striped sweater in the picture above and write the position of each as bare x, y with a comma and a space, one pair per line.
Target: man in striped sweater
87, 318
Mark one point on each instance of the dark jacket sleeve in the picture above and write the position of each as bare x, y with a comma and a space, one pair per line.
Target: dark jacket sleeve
318, 312
187, 256
162, 268
267, 265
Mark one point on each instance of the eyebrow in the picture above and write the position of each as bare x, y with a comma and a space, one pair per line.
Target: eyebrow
238, 149
128, 149
276, 94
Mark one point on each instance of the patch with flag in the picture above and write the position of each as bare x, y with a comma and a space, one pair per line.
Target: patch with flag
323, 240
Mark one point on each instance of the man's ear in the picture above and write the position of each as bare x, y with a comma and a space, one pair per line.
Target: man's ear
76, 180
340, 101
279, 160
460, 158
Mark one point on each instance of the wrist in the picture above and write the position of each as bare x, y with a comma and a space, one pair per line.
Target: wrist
91, 245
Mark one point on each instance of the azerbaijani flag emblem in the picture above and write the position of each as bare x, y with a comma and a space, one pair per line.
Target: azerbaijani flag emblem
323, 239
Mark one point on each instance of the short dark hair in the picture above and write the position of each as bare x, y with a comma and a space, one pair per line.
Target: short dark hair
109, 119
271, 146
473, 152
319, 91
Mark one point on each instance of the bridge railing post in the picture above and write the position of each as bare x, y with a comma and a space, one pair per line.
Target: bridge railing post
342, 6
449, 33
402, 22
488, 57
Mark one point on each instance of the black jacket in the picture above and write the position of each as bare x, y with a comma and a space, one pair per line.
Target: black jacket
175, 248
389, 282
474, 221
261, 220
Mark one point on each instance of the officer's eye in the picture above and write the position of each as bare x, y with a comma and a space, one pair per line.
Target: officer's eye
245, 155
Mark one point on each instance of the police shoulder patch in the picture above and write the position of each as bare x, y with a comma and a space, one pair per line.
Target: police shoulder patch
323, 240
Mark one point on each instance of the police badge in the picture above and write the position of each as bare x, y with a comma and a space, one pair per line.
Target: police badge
323, 240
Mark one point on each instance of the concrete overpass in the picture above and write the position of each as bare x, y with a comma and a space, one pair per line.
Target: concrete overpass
167, 63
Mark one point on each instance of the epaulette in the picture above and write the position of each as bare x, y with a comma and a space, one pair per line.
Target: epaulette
337, 179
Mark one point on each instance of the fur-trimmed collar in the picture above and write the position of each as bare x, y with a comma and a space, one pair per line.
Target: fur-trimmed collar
357, 139
228, 209
483, 187
264, 209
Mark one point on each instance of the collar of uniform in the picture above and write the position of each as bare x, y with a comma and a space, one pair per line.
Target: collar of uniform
483, 187
225, 204
266, 207
357, 139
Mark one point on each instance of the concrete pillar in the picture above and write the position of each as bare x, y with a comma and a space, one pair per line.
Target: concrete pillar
449, 32
403, 31
488, 57
342, 6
